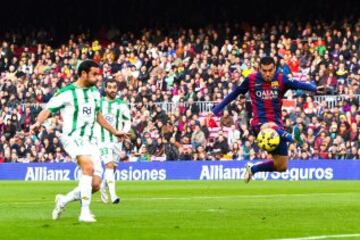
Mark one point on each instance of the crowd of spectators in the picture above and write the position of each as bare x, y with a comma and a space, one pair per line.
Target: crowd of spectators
185, 66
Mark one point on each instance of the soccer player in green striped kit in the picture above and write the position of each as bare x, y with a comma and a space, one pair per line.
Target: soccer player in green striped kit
117, 113
78, 104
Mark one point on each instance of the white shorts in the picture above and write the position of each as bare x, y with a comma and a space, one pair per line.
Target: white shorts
109, 152
81, 146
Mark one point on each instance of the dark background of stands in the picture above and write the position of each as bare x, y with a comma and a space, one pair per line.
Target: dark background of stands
65, 17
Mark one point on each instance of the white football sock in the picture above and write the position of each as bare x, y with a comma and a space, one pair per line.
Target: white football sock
110, 181
103, 185
73, 195
85, 185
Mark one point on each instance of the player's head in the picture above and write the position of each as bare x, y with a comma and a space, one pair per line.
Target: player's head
89, 71
267, 68
111, 88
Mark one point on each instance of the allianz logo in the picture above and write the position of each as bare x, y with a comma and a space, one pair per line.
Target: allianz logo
45, 174
219, 172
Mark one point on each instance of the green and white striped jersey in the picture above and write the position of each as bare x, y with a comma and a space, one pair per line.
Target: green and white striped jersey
117, 113
78, 108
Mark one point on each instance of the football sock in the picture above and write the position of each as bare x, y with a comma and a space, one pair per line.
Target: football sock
284, 134
73, 195
85, 192
110, 181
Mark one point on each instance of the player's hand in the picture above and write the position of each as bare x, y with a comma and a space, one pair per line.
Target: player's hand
35, 127
122, 135
320, 89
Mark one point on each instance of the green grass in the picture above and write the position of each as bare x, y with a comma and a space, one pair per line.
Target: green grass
186, 210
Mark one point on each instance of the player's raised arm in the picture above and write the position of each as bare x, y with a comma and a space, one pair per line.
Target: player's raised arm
56, 103
241, 89
41, 118
307, 86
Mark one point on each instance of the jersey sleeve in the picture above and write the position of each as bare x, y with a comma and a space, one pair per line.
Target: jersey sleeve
125, 117
295, 85
57, 102
241, 89
97, 98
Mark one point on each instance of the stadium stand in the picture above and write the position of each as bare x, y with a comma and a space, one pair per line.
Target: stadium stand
172, 79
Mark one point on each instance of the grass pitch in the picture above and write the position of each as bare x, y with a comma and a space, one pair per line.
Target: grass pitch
186, 210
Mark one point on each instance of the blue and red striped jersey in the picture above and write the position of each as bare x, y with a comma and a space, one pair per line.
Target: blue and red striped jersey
266, 97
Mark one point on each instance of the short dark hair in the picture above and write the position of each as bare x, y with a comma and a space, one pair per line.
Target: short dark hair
86, 65
267, 61
110, 81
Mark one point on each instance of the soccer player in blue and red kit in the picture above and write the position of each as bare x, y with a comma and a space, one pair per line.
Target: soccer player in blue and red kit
267, 88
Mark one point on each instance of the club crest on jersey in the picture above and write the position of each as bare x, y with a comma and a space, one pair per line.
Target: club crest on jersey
267, 94
275, 84
110, 118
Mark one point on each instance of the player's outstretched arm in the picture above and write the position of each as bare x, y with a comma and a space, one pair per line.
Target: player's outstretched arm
307, 86
105, 124
241, 89
295, 85
41, 118
56, 103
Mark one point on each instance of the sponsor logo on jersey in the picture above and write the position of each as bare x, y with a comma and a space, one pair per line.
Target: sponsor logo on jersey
87, 112
267, 94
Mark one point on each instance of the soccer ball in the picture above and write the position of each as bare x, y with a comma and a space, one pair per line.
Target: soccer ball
268, 139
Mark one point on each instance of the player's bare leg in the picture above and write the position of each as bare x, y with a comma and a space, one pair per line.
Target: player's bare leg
294, 137
278, 163
87, 185
96, 183
84, 190
61, 201
268, 125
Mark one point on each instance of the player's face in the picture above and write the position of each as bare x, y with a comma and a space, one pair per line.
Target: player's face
111, 90
267, 72
93, 76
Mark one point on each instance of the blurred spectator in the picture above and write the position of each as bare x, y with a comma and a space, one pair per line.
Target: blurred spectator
197, 137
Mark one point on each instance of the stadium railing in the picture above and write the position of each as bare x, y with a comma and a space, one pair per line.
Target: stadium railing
333, 100
206, 106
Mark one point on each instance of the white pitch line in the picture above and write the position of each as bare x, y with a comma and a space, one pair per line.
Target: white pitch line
352, 235
260, 196
240, 196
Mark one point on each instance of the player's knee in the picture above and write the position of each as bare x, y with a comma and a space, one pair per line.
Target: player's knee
268, 125
96, 183
86, 165
87, 169
110, 165
95, 187
281, 167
